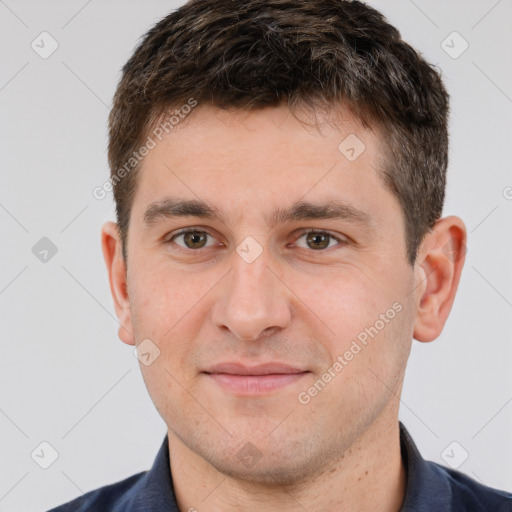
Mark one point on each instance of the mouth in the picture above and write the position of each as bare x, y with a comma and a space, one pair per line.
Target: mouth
244, 380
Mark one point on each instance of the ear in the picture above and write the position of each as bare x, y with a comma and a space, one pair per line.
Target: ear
438, 269
112, 253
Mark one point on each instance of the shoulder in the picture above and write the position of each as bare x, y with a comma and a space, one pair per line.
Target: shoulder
433, 487
142, 492
113, 497
469, 495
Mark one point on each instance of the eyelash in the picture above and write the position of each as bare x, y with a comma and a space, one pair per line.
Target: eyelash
302, 233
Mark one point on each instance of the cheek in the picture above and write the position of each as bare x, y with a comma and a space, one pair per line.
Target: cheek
370, 324
160, 297
169, 307
346, 301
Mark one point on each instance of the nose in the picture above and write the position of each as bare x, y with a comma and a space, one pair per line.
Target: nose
252, 302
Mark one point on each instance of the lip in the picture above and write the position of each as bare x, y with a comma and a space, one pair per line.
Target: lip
269, 368
261, 379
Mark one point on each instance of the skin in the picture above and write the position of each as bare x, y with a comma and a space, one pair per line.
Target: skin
295, 303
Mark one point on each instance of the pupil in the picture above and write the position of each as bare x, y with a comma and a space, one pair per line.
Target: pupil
313, 237
195, 238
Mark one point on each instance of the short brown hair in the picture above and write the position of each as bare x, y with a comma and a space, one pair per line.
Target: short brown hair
249, 54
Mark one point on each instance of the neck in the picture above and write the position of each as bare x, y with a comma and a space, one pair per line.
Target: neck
370, 475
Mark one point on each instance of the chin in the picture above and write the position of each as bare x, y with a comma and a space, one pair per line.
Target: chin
265, 474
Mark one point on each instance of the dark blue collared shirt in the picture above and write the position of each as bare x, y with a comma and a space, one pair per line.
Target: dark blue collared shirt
430, 488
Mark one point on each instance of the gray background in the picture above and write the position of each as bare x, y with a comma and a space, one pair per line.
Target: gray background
66, 378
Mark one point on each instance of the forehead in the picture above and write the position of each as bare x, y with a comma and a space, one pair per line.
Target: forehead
263, 159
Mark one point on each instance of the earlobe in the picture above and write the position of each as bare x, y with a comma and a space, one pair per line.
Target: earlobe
441, 259
116, 267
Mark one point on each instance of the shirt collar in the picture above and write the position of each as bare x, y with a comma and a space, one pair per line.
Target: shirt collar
156, 487
426, 488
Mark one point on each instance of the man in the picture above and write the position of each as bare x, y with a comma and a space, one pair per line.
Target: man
279, 174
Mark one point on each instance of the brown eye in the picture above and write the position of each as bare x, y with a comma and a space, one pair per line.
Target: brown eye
192, 239
319, 240
195, 239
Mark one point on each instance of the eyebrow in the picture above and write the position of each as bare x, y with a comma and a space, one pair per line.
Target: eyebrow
301, 210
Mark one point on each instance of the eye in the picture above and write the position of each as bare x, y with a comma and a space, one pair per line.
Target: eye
319, 240
192, 239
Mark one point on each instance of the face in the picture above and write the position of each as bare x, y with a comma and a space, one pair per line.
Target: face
294, 266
